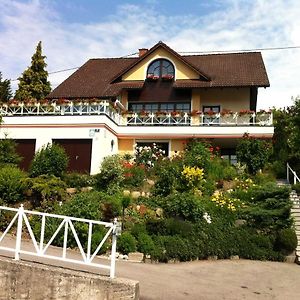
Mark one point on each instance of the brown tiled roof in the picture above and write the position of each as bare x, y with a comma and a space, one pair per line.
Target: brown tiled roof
92, 79
95, 77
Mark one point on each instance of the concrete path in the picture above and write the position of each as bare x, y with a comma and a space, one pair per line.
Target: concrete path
207, 280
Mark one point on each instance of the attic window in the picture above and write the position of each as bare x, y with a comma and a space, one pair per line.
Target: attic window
161, 68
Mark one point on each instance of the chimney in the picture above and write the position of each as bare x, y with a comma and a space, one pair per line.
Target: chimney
142, 51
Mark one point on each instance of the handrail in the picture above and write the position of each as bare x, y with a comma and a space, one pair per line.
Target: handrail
134, 118
21, 218
288, 170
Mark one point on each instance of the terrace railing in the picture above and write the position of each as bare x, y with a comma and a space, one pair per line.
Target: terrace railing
21, 219
137, 119
153, 119
237, 119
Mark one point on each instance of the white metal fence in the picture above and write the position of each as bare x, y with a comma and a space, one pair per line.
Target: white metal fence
290, 170
21, 220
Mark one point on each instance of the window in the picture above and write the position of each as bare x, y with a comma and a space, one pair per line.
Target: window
161, 68
215, 109
154, 107
230, 155
210, 117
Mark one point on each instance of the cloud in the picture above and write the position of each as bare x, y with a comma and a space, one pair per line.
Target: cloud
233, 24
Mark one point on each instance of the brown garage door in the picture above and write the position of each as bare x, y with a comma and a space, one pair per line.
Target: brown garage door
79, 152
26, 149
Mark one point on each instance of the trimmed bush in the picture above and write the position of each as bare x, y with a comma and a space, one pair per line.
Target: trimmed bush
145, 243
12, 185
286, 241
50, 160
126, 243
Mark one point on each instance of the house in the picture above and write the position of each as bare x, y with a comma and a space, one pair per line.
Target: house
111, 104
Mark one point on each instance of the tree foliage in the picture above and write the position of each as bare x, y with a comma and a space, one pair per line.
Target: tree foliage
33, 83
287, 137
5, 89
254, 153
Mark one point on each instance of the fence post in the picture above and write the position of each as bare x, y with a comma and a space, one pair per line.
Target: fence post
19, 232
113, 250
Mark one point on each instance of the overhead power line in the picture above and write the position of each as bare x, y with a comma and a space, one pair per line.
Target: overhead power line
54, 72
243, 50
195, 52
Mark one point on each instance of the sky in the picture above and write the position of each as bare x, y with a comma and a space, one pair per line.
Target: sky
73, 31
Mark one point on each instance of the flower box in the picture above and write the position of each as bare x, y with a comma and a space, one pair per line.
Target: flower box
152, 77
167, 77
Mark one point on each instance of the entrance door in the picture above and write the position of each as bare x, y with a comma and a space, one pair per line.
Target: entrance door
79, 152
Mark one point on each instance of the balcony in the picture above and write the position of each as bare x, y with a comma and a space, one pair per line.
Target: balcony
201, 119
104, 107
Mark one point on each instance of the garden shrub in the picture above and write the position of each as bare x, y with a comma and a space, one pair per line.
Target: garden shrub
12, 184
220, 169
77, 180
137, 228
111, 206
44, 190
168, 174
8, 153
134, 175
253, 152
111, 174
286, 241
49, 160
145, 244
267, 207
264, 178
83, 205
148, 155
126, 243
197, 154
172, 248
187, 206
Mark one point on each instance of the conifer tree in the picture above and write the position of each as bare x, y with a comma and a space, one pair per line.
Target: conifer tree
33, 83
5, 89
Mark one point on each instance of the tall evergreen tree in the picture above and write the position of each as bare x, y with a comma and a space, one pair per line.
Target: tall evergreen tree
5, 89
33, 83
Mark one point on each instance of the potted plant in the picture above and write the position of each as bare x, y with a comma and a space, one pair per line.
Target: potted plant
152, 77
167, 77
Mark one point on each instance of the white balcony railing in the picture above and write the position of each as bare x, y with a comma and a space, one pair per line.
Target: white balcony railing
137, 119
152, 119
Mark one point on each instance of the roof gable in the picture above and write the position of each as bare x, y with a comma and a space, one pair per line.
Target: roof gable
161, 50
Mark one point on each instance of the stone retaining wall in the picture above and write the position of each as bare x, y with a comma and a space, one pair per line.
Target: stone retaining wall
24, 280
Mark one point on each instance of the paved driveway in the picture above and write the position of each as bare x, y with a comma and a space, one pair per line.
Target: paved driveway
209, 280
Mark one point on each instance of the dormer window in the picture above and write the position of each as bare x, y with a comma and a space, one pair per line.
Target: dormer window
161, 68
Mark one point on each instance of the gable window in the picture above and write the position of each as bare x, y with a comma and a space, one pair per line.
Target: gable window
161, 68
